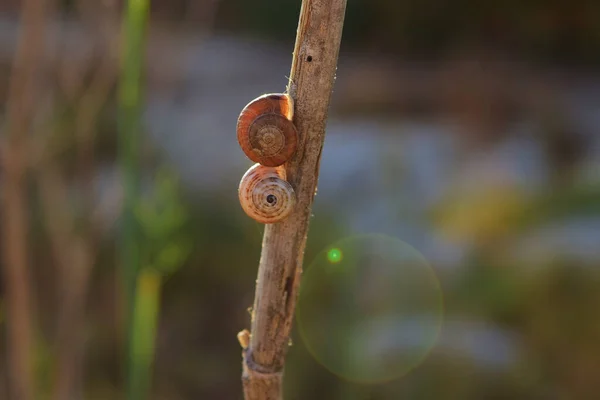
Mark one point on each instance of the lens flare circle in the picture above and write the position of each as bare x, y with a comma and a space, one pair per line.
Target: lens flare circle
370, 308
334, 255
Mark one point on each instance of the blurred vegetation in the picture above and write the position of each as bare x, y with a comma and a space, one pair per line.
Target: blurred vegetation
545, 31
554, 30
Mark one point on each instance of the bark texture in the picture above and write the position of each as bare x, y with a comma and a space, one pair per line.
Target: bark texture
311, 82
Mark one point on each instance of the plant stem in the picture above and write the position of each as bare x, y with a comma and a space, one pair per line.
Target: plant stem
145, 318
311, 82
130, 101
23, 92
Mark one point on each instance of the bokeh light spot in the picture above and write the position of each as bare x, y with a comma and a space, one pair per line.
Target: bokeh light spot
374, 317
334, 255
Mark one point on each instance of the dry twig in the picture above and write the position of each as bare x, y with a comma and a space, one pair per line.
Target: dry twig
311, 81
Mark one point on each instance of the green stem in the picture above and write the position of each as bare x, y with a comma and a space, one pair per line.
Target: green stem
147, 303
129, 125
130, 101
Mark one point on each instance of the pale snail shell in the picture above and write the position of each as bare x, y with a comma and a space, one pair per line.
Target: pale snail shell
265, 130
265, 195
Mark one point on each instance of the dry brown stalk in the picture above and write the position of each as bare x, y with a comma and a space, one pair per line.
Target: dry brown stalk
23, 91
311, 82
75, 249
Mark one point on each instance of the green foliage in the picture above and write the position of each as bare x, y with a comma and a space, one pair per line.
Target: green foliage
163, 218
574, 201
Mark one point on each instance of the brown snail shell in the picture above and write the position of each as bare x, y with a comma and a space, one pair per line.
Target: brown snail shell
265, 195
265, 130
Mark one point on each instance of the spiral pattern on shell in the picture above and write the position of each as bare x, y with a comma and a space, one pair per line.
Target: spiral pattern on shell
265, 195
265, 130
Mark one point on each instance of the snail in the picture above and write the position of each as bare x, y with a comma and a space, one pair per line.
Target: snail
265, 130
265, 195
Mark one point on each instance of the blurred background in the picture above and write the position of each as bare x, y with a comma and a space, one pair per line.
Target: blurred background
455, 243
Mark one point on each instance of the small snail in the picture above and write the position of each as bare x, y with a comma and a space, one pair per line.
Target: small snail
265, 195
265, 130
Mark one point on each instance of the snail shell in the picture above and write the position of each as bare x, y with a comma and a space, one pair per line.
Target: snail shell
265, 130
265, 195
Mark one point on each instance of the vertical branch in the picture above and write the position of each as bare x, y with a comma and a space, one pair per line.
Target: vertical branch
311, 81
21, 105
